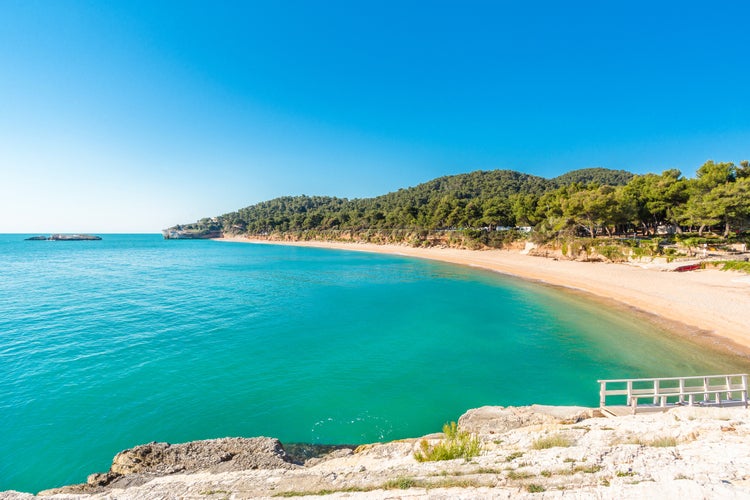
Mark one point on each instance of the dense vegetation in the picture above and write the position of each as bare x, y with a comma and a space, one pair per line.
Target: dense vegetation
473, 200
583, 203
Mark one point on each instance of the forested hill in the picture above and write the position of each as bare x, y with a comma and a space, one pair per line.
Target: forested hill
601, 176
476, 199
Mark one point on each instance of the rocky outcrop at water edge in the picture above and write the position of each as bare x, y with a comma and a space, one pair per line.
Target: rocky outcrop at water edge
528, 452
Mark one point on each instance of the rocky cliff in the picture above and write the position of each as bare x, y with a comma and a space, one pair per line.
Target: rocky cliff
190, 234
536, 451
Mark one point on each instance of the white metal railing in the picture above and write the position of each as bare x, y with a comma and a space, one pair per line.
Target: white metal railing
674, 391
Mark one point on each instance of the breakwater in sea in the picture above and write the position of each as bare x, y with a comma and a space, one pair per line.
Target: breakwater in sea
140, 339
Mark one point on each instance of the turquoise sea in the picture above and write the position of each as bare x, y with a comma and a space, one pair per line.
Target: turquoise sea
108, 344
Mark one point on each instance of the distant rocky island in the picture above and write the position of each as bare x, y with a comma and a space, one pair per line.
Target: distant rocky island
65, 237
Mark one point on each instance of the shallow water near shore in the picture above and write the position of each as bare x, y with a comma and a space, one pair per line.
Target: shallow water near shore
108, 344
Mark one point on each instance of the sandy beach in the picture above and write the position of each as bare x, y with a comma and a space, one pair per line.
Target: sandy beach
708, 306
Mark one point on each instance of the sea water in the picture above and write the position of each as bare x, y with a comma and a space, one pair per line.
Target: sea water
108, 344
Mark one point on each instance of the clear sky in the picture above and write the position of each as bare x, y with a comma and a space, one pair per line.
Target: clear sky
131, 116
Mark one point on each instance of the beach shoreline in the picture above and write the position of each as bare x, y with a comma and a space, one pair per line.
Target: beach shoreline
708, 307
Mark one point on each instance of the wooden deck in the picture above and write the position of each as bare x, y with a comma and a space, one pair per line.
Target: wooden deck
661, 394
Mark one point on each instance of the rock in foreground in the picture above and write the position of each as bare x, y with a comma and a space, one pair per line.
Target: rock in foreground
143, 463
685, 452
498, 419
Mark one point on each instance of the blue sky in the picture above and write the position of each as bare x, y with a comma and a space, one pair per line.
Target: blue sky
133, 116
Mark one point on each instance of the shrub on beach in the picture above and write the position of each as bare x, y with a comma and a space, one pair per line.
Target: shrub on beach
457, 444
733, 265
612, 252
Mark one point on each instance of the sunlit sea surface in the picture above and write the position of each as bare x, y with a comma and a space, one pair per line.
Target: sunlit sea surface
108, 344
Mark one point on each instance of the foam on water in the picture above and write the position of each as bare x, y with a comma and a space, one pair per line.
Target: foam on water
108, 344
